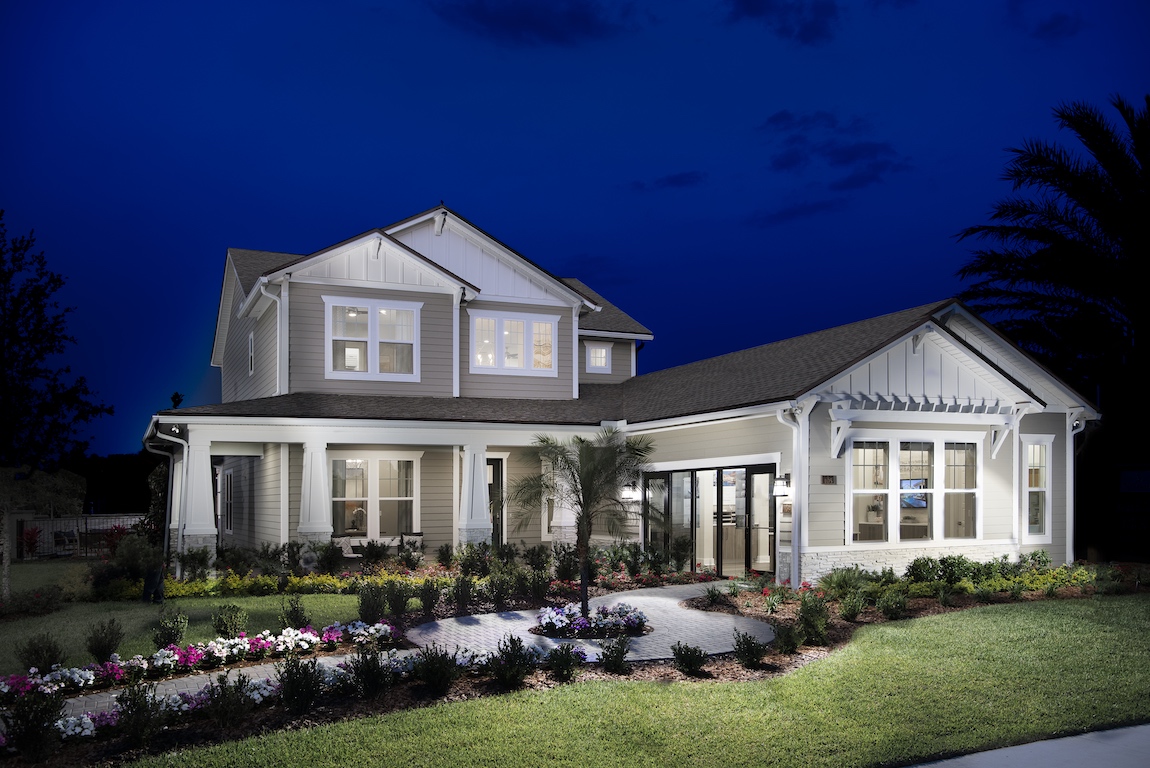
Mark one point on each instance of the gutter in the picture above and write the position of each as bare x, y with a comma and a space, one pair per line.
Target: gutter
263, 283
171, 476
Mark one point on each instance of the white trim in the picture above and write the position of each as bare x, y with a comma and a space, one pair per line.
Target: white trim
938, 491
574, 353
285, 493
685, 422
529, 320
373, 457
606, 347
591, 333
372, 341
251, 353
722, 462
1047, 535
505, 457
455, 333
227, 500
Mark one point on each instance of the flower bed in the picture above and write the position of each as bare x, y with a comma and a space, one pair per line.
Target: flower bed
569, 622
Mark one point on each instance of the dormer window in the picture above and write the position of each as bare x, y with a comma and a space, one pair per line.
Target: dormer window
513, 343
374, 339
598, 356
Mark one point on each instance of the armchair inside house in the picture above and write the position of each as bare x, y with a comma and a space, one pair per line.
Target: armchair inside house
64, 542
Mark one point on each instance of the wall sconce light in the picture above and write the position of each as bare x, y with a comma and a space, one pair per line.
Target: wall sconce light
631, 492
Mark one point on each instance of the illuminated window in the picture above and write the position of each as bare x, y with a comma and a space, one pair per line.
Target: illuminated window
598, 357
376, 340
513, 343
1036, 453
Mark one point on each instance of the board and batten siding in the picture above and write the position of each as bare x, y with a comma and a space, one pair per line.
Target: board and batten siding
620, 362
235, 383
308, 342
523, 387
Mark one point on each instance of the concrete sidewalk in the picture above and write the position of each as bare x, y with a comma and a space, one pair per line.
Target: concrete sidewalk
714, 633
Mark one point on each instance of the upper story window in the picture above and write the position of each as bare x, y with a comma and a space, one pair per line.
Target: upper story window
371, 339
598, 356
514, 343
896, 495
1036, 454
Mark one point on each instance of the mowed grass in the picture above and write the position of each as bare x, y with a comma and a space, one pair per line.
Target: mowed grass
900, 693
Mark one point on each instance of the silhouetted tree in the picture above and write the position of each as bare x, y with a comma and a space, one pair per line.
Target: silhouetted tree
42, 405
1061, 267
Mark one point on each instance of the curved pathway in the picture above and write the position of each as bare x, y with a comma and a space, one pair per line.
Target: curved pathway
670, 623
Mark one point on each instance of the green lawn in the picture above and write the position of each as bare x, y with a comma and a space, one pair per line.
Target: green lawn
69, 626
70, 573
901, 693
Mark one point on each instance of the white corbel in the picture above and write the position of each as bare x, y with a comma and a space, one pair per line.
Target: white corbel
999, 434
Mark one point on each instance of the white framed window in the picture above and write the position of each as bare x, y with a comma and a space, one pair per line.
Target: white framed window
226, 500
372, 339
914, 487
598, 356
515, 343
251, 353
374, 494
1036, 455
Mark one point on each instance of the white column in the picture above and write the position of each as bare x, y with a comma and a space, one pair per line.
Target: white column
315, 500
475, 516
198, 518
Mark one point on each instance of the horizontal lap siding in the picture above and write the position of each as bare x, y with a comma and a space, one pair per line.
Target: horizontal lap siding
266, 528
715, 441
997, 491
235, 383
295, 488
1050, 424
620, 362
435, 503
826, 504
308, 343
522, 524
513, 386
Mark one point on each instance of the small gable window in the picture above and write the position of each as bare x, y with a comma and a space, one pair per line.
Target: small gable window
513, 343
598, 357
376, 340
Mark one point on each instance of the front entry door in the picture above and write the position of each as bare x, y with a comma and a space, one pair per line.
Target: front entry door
495, 498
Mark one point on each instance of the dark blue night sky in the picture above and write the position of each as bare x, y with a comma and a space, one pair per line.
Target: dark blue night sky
730, 172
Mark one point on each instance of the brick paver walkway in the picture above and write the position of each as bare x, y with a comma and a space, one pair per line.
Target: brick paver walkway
670, 623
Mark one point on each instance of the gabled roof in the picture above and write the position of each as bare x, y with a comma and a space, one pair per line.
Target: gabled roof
776, 372
610, 319
252, 265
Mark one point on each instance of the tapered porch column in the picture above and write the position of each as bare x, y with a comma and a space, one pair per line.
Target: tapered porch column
198, 517
475, 515
315, 500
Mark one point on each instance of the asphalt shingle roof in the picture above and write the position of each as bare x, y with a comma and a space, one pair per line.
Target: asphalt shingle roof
769, 373
250, 265
611, 319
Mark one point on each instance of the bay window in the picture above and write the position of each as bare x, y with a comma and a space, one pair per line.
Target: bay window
374, 339
513, 343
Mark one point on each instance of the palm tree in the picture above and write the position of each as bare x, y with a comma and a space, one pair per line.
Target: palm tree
1061, 267
588, 477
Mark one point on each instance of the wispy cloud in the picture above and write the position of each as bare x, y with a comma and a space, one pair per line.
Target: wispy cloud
808, 22
525, 23
671, 181
796, 211
821, 138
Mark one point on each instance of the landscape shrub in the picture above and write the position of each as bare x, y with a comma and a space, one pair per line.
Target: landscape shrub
954, 568
39, 601
195, 563
229, 620
239, 560
537, 558
227, 703
328, 557
892, 604
475, 559
613, 655
500, 586
292, 613
564, 661
749, 650
141, 713
714, 595
462, 592
29, 723
371, 672
104, 638
410, 554
681, 550
397, 593
170, 630
41, 651
437, 668
788, 637
511, 662
566, 561
507, 553
444, 555
840, 582
375, 552
301, 683
688, 659
813, 617
372, 602
851, 605
923, 569
429, 592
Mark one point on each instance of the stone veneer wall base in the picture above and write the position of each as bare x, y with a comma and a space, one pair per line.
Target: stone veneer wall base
815, 565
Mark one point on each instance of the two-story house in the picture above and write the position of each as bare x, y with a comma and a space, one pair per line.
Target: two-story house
387, 384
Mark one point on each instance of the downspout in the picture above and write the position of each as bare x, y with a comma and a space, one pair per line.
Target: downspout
167, 496
789, 417
183, 496
1075, 425
279, 351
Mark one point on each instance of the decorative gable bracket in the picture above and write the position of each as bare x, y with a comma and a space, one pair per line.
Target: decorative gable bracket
999, 435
